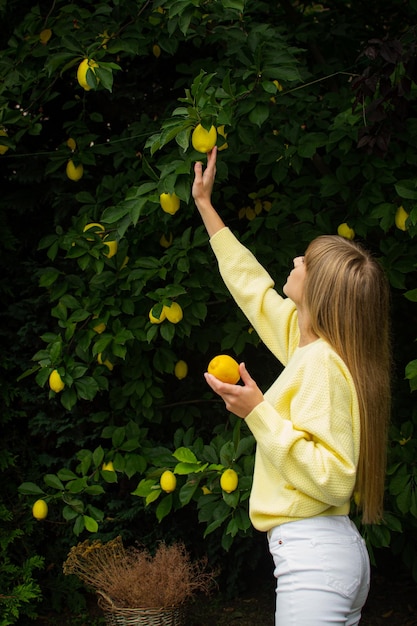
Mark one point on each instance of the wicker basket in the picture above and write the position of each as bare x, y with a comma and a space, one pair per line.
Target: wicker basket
116, 616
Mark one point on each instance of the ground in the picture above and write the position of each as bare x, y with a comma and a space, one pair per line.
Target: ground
392, 601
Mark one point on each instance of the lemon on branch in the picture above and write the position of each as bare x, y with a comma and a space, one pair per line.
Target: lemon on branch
229, 480
344, 230
55, 381
168, 481
74, 172
40, 509
203, 140
181, 369
84, 66
170, 202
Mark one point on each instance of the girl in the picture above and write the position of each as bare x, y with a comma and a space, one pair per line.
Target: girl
321, 428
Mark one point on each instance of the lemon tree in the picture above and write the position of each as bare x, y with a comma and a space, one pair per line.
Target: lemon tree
109, 289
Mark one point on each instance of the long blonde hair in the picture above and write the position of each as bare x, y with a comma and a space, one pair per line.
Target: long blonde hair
347, 296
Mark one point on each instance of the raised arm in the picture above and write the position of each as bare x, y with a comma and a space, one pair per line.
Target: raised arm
202, 189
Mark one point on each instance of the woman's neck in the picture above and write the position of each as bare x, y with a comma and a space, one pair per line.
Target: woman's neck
307, 335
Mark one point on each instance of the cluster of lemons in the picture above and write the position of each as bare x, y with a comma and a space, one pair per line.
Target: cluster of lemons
229, 481
226, 369
400, 220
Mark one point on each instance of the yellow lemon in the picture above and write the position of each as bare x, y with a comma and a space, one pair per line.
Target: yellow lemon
112, 246
206, 491
74, 172
165, 242
40, 509
3, 148
174, 313
108, 467
357, 498
95, 227
181, 370
71, 143
55, 381
45, 35
401, 216
220, 131
203, 140
125, 262
157, 320
168, 481
99, 328
344, 230
82, 70
225, 368
106, 362
229, 480
156, 51
170, 202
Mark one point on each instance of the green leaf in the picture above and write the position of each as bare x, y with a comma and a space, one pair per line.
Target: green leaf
30, 489
407, 189
90, 524
53, 481
164, 507
78, 525
65, 474
185, 455
144, 488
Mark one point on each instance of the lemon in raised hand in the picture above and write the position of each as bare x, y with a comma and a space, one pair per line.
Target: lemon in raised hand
225, 368
40, 509
55, 381
229, 480
170, 202
203, 140
168, 481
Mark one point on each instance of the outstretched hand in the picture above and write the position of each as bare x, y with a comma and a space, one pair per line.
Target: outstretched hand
239, 399
204, 181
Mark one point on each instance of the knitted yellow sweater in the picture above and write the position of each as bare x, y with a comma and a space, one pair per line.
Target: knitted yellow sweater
307, 427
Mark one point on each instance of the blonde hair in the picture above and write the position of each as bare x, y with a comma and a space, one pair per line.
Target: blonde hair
347, 296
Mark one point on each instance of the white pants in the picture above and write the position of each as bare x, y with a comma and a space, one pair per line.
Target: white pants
322, 570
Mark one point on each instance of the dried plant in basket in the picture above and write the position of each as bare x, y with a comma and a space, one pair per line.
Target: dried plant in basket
134, 578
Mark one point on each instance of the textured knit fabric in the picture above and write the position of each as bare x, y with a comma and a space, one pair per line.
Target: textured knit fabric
307, 428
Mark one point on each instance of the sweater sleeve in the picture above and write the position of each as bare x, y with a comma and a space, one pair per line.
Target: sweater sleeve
315, 450
273, 317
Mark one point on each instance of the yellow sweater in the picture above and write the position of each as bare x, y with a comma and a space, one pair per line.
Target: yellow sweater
307, 427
